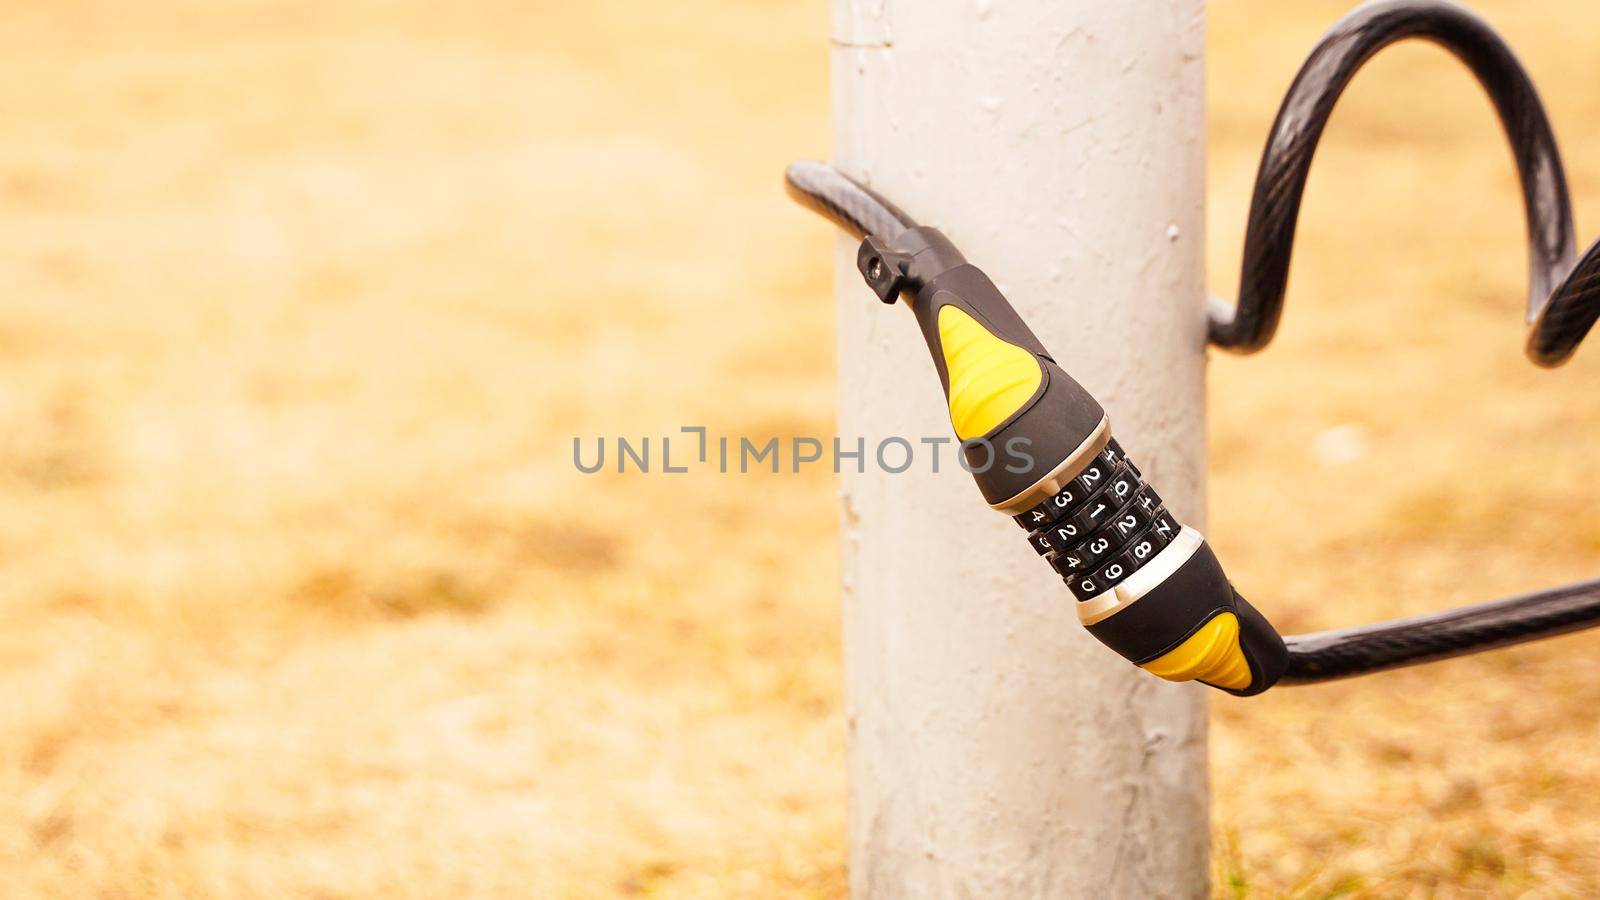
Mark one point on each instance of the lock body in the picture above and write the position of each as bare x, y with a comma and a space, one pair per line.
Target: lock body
1041, 450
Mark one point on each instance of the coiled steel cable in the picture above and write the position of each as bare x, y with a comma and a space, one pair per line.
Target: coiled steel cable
844, 201
1563, 298
1327, 655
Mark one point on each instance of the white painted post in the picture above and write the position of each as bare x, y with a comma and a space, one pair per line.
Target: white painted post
996, 750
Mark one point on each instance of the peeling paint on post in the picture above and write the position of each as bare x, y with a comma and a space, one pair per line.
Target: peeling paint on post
996, 750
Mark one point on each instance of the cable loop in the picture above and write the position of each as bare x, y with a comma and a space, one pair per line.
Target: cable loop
1563, 300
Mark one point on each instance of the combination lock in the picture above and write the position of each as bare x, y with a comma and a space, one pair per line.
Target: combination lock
1146, 585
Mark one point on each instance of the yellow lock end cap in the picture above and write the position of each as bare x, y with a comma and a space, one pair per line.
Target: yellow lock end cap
1211, 655
990, 379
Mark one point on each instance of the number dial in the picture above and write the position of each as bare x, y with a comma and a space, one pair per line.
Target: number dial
1102, 527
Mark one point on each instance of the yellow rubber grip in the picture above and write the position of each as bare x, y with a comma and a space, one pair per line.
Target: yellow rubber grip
990, 379
1211, 655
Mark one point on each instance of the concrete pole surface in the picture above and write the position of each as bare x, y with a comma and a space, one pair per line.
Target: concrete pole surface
997, 750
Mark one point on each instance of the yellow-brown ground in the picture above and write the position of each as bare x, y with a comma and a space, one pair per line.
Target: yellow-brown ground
299, 594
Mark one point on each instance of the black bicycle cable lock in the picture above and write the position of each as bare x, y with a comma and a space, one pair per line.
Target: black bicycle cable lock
1146, 585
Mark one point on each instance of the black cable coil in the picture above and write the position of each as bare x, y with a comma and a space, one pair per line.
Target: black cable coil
1563, 296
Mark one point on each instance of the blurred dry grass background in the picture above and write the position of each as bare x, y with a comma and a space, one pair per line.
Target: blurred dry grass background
300, 595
